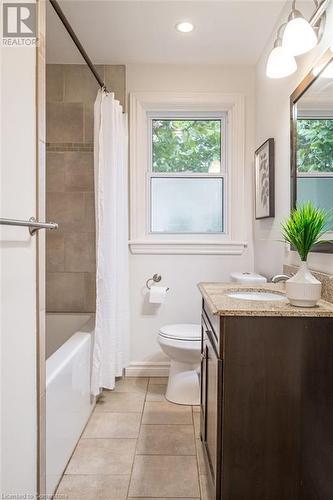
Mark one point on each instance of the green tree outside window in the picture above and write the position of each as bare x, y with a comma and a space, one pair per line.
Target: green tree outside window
315, 145
186, 146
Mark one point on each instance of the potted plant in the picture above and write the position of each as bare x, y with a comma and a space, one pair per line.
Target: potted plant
305, 228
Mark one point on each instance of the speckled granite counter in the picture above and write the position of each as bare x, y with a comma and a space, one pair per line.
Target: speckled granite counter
220, 304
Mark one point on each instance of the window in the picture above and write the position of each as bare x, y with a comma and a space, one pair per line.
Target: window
187, 173
315, 161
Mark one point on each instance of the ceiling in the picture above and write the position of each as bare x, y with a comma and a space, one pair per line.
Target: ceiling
124, 32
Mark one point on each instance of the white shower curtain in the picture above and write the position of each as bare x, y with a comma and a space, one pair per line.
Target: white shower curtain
110, 352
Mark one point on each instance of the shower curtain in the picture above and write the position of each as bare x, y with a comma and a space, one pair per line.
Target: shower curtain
110, 352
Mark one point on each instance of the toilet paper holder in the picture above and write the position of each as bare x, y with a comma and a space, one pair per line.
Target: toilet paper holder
156, 279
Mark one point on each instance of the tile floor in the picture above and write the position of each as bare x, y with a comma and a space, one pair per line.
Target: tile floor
137, 445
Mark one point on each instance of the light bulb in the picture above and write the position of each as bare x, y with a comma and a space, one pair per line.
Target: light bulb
299, 36
280, 63
185, 27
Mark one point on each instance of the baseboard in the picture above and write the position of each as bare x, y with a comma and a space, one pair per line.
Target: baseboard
147, 369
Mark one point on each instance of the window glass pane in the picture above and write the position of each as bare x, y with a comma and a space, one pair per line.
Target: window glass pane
316, 189
186, 205
315, 145
186, 146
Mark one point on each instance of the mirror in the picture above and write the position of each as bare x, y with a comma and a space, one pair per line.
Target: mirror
312, 140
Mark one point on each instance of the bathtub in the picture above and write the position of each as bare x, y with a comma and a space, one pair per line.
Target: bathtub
68, 400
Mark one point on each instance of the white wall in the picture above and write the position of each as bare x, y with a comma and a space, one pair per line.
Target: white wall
18, 274
272, 120
180, 272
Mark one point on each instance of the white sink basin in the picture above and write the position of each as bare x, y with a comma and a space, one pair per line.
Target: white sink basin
256, 296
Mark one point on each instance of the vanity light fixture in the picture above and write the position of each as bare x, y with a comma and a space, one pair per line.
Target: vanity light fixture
184, 27
299, 36
280, 62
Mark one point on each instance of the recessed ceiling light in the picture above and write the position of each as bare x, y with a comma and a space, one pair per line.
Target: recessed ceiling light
185, 27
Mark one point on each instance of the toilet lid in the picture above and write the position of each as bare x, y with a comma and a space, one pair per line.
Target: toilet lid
181, 331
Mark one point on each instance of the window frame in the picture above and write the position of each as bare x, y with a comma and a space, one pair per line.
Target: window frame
222, 116
311, 114
233, 240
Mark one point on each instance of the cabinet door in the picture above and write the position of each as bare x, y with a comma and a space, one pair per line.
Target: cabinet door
203, 383
211, 441
211, 372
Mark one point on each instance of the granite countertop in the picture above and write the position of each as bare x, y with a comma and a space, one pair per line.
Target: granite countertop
220, 304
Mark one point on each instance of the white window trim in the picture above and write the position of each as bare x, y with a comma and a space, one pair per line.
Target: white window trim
142, 104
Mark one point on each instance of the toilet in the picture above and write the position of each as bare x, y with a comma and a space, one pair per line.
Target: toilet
182, 344
247, 278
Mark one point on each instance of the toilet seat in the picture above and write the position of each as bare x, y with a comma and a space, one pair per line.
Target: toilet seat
189, 332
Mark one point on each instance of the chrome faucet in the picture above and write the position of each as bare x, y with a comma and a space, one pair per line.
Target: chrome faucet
280, 277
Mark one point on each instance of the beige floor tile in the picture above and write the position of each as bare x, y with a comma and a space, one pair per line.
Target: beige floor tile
196, 421
132, 385
113, 425
164, 476
200, 456
93, 487
205, 491
163, 412
102, 456
120, 402
166, 440
158, 380
156, 392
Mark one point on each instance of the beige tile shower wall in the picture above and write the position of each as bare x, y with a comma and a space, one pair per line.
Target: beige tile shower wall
70, 252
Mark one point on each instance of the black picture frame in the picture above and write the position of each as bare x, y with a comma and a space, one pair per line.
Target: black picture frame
264, 173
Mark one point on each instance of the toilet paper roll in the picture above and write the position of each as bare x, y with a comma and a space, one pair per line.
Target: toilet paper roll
157, 294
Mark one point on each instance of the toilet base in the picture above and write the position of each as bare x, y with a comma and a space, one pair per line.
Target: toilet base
183, 384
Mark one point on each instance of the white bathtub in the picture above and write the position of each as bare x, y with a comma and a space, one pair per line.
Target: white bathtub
68, 400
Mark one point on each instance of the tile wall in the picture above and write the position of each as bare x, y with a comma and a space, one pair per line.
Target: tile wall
70, 251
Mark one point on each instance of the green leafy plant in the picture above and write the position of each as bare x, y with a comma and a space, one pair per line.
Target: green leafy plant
305, 228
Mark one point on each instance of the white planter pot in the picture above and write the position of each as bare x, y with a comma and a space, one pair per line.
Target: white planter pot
303, 289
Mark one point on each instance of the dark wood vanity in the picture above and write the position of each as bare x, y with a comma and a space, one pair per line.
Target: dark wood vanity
267, 403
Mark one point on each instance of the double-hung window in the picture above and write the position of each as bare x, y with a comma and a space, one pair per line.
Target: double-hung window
187, 173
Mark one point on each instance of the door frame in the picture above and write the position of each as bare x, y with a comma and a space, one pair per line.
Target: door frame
41, 245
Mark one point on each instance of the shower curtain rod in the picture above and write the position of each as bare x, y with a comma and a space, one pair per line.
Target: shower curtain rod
77, 42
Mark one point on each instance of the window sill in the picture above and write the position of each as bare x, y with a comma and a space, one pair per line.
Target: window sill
187, 247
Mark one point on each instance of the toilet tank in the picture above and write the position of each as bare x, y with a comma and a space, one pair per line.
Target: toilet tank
247, 278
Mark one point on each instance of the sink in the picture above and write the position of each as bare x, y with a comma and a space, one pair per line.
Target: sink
262, 296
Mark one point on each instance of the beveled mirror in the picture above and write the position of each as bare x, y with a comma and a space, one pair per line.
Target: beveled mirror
311, 107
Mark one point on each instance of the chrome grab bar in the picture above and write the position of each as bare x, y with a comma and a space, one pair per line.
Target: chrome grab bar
32, 224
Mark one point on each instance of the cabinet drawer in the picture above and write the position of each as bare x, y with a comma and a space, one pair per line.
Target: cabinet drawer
214, 320
213, 324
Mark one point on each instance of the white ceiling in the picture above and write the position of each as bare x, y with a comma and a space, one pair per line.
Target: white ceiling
124, 31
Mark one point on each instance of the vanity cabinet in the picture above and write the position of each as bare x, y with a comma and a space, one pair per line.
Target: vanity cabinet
267, 406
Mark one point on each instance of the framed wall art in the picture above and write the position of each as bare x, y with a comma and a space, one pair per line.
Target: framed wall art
264, 180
